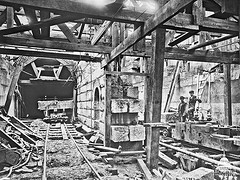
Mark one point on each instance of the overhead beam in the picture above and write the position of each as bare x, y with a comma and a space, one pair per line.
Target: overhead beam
182, 38
210, 42
40, 24
32, 19
101, 31
30, 42
163, 14
3, 17
81, 8
67, 32
82, 28
45, 31
10, 17
48, 54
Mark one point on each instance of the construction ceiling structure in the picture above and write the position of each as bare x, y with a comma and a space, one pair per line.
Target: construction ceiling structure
54, 28
79, 30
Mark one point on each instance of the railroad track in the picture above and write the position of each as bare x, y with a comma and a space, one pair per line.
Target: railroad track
65, 132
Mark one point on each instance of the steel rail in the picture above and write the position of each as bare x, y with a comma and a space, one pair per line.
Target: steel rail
44, 176
84, 157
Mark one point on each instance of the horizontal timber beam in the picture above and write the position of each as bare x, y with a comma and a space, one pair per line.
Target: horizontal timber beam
43, 23
48, 54
80, 7
163, 14
210, 42
30, 42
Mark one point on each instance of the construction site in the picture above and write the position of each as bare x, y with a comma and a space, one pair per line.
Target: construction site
119, 90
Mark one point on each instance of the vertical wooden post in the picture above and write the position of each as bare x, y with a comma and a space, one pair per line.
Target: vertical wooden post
10, 17
107, 110
227, 95
15, 77
153, 95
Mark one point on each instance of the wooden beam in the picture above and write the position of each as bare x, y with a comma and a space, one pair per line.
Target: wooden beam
67, 32
227, 95
74, 28
81, 8
3, 17
17, 20
101, 31
14, 80
170, 53
69, 56
34, 67
32, 19
210, 42
219, 25
10, 17
45, 31
30, 42
163, 14
182, 38
40, 24
201, 56
82, 28
144, 169
153, 97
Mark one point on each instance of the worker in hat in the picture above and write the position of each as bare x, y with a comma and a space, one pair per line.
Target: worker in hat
191, 104
182, 109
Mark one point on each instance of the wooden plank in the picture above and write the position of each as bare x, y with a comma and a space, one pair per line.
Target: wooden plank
125, 73
101, 31
227, 95
167, 161
10, 17
67, 32
64, 133
144, 169
17, 20
162, 15
172, 86
32, 19
81, 8
153, 96
47, 22
182, 38
45, 31
52, 44
48, 54
74, 28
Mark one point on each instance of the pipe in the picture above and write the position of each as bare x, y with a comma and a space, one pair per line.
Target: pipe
212, 161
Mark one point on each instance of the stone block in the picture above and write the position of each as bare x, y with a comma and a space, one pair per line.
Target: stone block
199, 174
137, 133
117, 92
119, 106
132, 92
135, 106
119, 133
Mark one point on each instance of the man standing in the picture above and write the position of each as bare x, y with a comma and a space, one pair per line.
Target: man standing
191, 104
182, 109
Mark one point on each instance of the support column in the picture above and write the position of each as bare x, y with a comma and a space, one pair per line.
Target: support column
227, 95
15, 77
153, 95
